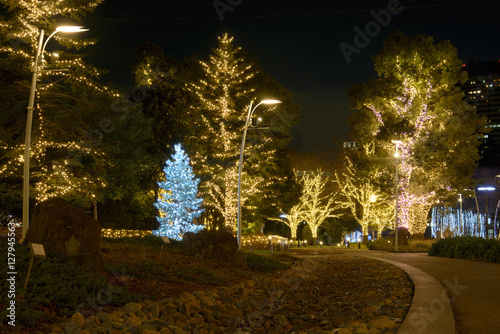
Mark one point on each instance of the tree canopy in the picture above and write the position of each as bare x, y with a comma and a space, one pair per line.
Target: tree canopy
416, 100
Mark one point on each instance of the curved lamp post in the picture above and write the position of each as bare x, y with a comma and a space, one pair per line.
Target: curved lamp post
487, 214
29, 121
396, 234
247, 123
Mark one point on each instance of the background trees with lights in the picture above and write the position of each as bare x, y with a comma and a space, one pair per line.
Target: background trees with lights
92, 146
416, 100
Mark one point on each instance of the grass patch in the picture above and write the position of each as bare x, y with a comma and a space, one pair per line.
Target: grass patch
151, 270
414, 246
269, 263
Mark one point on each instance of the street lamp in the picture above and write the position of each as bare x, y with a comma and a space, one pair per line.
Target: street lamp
462, 227
29, 121
486, 188
495, 221
396, 189
247, 122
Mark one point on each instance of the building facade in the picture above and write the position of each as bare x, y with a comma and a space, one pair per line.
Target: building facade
482, 90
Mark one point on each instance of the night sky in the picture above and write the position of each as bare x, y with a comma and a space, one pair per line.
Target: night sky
297, 42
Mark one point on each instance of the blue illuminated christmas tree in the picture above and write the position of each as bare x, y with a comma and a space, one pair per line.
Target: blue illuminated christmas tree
178, 204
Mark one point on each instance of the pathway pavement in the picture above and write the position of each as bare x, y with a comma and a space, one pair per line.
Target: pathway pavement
471, 288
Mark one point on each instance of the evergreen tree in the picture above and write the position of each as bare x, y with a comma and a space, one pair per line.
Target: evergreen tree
230, 81
164, 99
86, 140
178, 204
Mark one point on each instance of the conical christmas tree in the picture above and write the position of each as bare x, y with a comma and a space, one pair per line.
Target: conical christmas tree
178, 204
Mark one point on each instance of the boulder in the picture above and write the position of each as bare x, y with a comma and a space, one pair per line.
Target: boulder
214, 245
65, 228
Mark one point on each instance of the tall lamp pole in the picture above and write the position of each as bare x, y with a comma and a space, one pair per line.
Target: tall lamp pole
486, 188
495, 221
247, 123
396, 189
31, 102
462, 227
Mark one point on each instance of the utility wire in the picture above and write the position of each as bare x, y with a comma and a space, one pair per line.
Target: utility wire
353, 11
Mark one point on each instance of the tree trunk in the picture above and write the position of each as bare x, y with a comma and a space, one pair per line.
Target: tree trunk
94, 208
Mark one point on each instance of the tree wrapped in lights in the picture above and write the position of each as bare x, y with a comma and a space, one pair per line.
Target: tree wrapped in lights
77, 122
316, 202
416, 100
293, 219
229, 82
178, 203
360, 193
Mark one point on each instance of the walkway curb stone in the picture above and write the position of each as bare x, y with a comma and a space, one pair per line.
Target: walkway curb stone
430, 310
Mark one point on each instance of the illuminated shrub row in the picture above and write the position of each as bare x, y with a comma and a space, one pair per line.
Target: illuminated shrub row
469, 248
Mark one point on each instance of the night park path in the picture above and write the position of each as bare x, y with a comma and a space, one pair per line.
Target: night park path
473, 289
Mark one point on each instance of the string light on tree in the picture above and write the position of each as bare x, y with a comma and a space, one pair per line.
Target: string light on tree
221, 123
178, 203
22, 26
416, 100
367, 203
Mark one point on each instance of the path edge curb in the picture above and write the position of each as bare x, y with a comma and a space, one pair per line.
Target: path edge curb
430, 311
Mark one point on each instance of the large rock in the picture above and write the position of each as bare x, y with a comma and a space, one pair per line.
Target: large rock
215, 245
65, 228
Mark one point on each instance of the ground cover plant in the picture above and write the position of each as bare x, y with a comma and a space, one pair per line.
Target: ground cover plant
414, 246
468, 248
135, 269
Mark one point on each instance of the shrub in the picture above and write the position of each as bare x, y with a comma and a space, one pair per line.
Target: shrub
149, 240
379, 244
414, 246
255, 241
469, 248
56, 287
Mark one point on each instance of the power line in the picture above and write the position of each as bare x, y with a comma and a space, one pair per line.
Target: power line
353, 11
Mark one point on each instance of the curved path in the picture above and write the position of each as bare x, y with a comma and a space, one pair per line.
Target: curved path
472, 288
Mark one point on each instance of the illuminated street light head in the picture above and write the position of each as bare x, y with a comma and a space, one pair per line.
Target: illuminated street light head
486, 188
270, 101
71, 29
397, 142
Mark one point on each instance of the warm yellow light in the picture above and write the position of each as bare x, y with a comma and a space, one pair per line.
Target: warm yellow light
270, 101
71, 29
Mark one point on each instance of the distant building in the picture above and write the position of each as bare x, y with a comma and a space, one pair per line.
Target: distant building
482, 90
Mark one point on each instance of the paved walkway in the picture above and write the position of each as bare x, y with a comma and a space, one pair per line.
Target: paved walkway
471, 288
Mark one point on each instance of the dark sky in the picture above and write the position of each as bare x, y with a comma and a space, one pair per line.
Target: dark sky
297, 42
